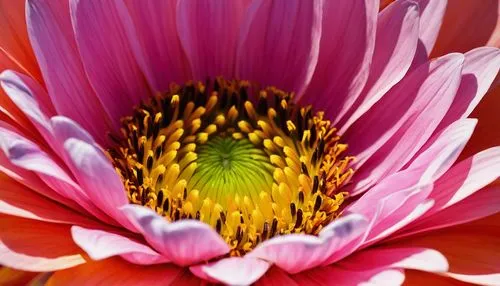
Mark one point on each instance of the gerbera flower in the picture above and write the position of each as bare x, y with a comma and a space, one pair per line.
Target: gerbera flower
237, 142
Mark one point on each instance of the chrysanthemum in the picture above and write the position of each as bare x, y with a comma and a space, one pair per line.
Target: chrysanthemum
306, 142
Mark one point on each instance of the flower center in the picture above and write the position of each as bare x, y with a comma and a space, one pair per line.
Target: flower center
247, 161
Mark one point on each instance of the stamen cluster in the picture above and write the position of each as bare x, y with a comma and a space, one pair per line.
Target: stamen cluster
247, 161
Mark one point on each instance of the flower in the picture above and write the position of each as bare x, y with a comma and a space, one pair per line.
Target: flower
243, 141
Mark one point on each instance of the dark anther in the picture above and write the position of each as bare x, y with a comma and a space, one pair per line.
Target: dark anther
177, 215
140, 178
262, 106
298, 221
301, 197
149, 163
222, 217
185, 194
198, 215
314, 135
166, 205
274, 227
158, 151
239, 234
293, 209
315, 184
317, 203
159, 199
218, 226
265, 230
304, 168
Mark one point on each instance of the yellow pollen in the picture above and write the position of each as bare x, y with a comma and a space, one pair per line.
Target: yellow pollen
251, 163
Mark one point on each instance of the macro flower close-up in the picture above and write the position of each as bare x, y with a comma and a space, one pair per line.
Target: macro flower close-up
240, 142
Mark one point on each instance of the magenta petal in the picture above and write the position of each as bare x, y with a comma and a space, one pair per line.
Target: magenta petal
152, 33
209, 33
431, 18
279, 43
383, 142
64, 128
232, 270
481, 204
98, 178
417, 258
297, 252
395, 45
100, 244
107, 57
466, 178
346, 50
480, 69
51, 36
184, 242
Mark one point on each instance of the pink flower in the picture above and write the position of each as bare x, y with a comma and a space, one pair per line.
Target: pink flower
285, 142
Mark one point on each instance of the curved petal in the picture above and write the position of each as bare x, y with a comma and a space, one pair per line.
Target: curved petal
152, 33
295, 253
14, 42
383, 142
395, 45
416, 258
98, 179
481, 204
107, 57
36, 246
27, 155
52, 38
209, 31
115, 271
465, 178
279, 43
100, 244
418, 278
232, 270
481, 66
431, 18
344, 62
178, 241
276, 276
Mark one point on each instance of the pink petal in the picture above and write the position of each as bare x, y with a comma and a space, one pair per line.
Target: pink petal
64, 128
100, 244
27, 155
232, 270
98, 179
18, 200
209, 32
52, 38
346, 50
481, 204
152, 33
396, 42
36, 246
338, 275
116, 271
180, 241
279, 43
465, 178
480, 69
431, 18
297, 252
26, 95
107, 57
382, 141
417, 258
